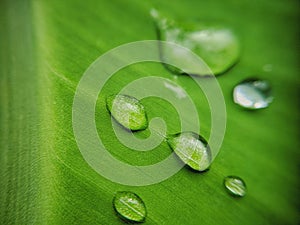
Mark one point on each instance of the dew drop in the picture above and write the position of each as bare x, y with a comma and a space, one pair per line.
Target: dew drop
128, 111
235, 186
129, 206
217, 46
253, 94
192, 149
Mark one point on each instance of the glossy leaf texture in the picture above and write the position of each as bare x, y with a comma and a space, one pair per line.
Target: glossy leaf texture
46, 46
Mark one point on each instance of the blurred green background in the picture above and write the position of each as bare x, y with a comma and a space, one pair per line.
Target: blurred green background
45, 48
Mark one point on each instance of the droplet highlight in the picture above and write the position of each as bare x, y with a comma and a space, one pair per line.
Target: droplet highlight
235, 186
127, 111
217, 46
253, 94
129, 206
192, 149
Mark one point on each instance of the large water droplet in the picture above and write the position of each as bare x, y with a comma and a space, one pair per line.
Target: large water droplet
253, 94
235, 186
129, 206
217, 46
128, 111
192, 149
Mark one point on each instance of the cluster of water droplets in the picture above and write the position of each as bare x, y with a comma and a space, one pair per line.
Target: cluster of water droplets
219, 48
190, 147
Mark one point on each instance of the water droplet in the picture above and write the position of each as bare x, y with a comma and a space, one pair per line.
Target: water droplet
129, 206
217, 46
128, 111
253, 94
192, 149
235, 186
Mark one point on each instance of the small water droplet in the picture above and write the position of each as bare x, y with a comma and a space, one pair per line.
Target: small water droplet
217, 46
192, 149
129, 206
128, 111
235, 186
253, 94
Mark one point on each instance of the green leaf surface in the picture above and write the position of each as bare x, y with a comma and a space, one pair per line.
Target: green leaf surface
45, 48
